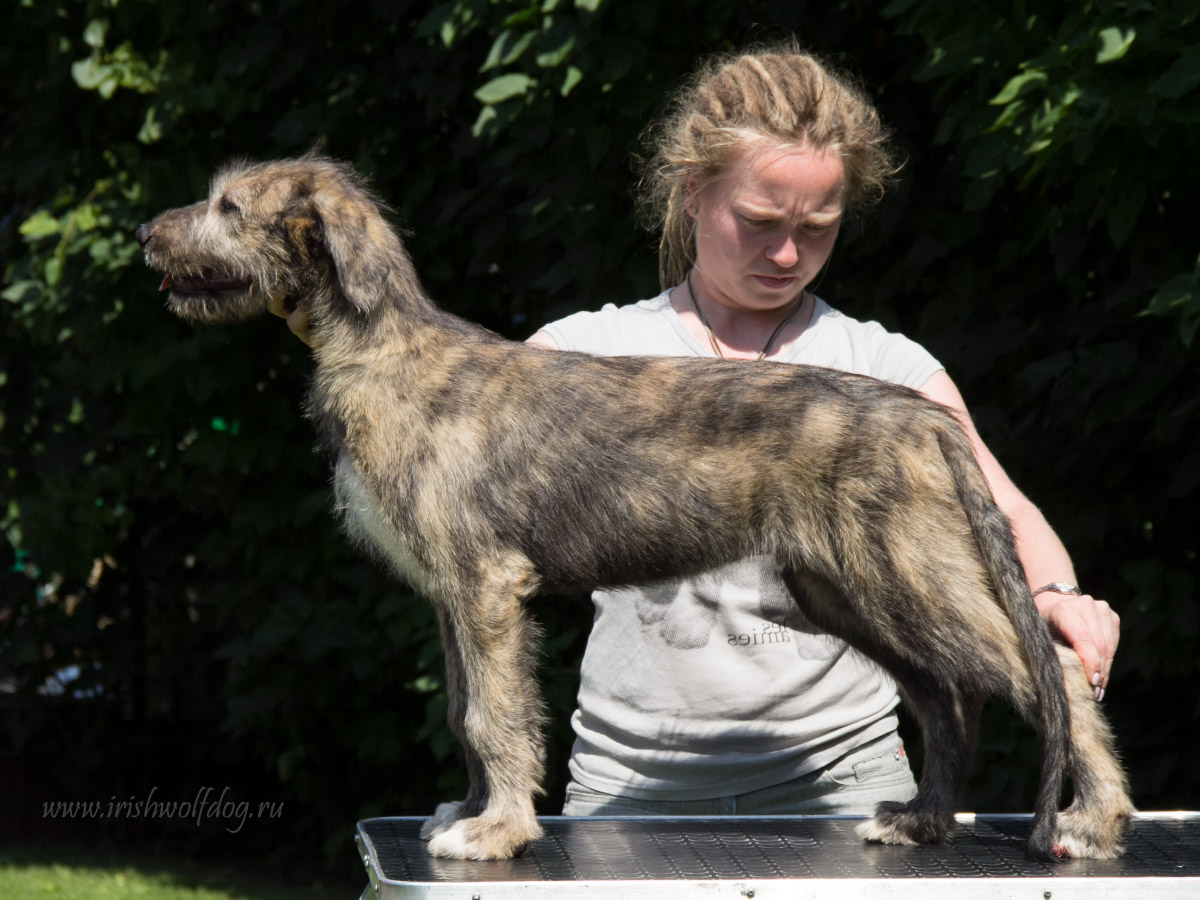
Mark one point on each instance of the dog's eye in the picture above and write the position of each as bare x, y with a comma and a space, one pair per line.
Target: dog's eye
228, 207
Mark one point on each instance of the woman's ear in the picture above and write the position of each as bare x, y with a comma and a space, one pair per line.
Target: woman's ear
691, 198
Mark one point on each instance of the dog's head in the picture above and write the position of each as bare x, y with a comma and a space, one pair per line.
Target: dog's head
304, 228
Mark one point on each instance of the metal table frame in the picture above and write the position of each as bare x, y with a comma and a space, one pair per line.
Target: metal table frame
790, 857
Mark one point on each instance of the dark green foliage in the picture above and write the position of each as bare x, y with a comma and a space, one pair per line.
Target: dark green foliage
166, 521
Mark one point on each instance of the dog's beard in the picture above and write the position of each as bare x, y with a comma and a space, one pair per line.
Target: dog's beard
213, 297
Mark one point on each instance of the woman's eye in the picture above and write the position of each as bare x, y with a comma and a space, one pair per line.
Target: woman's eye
821, 227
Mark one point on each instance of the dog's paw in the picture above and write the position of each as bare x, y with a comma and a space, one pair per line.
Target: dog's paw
895, 823
478, 839
443, 817
877, 832
1080, 840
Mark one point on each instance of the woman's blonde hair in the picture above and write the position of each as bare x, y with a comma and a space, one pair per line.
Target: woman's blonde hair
759, 98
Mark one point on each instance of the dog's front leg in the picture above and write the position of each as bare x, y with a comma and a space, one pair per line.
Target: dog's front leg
490, 647
447, 813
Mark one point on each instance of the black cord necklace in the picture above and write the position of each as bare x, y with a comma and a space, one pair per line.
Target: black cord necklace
712, 338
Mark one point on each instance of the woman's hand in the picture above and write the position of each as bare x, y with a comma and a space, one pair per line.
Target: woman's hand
1089, 625
297, 319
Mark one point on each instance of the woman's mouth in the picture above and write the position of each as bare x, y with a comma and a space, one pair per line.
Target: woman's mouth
775, 282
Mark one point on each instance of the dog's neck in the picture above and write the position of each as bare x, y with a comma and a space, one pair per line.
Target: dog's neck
374, 360
406, 322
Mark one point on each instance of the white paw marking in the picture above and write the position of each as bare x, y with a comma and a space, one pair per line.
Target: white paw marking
452, 843
443, 817
1078, 848
873, 830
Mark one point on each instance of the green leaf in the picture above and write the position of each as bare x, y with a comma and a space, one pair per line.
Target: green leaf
41, 224
53, 270
1187, 330
1181, 78
151, 129
100, 249
486, 115
15, 292
505, 51
87, 217
556, 57
108, 86
95, 33
89, 73
440, 21
528, 14
574, 76
505, 87
1018, 85
1114, 44
1179, 296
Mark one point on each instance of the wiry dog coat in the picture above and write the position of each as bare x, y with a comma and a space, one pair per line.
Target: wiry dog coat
487, 471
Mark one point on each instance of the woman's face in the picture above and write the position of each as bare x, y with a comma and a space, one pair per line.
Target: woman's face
765, 230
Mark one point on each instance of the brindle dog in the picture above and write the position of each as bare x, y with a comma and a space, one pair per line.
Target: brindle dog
487, 471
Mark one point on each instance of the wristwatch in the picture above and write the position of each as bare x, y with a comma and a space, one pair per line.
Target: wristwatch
1059, 587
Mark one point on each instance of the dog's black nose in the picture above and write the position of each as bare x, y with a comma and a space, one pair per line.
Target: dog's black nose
143, 235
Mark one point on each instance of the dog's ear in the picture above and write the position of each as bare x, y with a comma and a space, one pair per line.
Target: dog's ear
367, 256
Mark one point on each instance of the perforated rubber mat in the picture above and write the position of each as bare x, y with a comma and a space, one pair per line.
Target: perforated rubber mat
765, 858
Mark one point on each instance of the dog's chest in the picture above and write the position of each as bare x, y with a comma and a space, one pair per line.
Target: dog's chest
362, 513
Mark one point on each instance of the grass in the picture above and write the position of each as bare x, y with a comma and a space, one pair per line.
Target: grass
45, 874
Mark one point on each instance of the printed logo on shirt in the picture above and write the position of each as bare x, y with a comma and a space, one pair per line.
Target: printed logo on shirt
685, 614
780, 607
682, 612
768, 634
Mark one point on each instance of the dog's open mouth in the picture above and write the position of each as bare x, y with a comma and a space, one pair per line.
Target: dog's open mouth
206, 282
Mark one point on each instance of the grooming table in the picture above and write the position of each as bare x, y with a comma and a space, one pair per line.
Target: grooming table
765, 858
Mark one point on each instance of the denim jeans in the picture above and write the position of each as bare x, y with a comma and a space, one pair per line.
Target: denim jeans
851, 786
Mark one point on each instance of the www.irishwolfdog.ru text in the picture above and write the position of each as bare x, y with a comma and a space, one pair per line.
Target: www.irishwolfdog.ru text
203, 807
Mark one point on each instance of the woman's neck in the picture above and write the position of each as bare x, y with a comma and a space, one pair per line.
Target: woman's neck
737, 332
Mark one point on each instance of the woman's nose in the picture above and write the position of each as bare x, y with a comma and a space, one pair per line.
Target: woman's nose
784, 253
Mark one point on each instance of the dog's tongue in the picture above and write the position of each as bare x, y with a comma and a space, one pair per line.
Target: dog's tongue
166, 283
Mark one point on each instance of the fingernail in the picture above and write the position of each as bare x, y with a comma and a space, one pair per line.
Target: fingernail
1101, 695
1096, 694
1096, 680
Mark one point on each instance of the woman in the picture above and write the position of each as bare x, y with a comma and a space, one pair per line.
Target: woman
713, 695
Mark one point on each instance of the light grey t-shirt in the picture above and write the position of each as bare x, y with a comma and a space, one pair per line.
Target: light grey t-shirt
717, 685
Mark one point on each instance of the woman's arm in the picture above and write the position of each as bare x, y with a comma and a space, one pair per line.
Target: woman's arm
1090, 626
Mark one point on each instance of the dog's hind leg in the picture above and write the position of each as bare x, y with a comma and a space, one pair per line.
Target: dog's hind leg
490, 645
949, 725
948, 716
1094, 824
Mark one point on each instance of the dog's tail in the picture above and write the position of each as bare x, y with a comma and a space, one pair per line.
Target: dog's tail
993, 534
